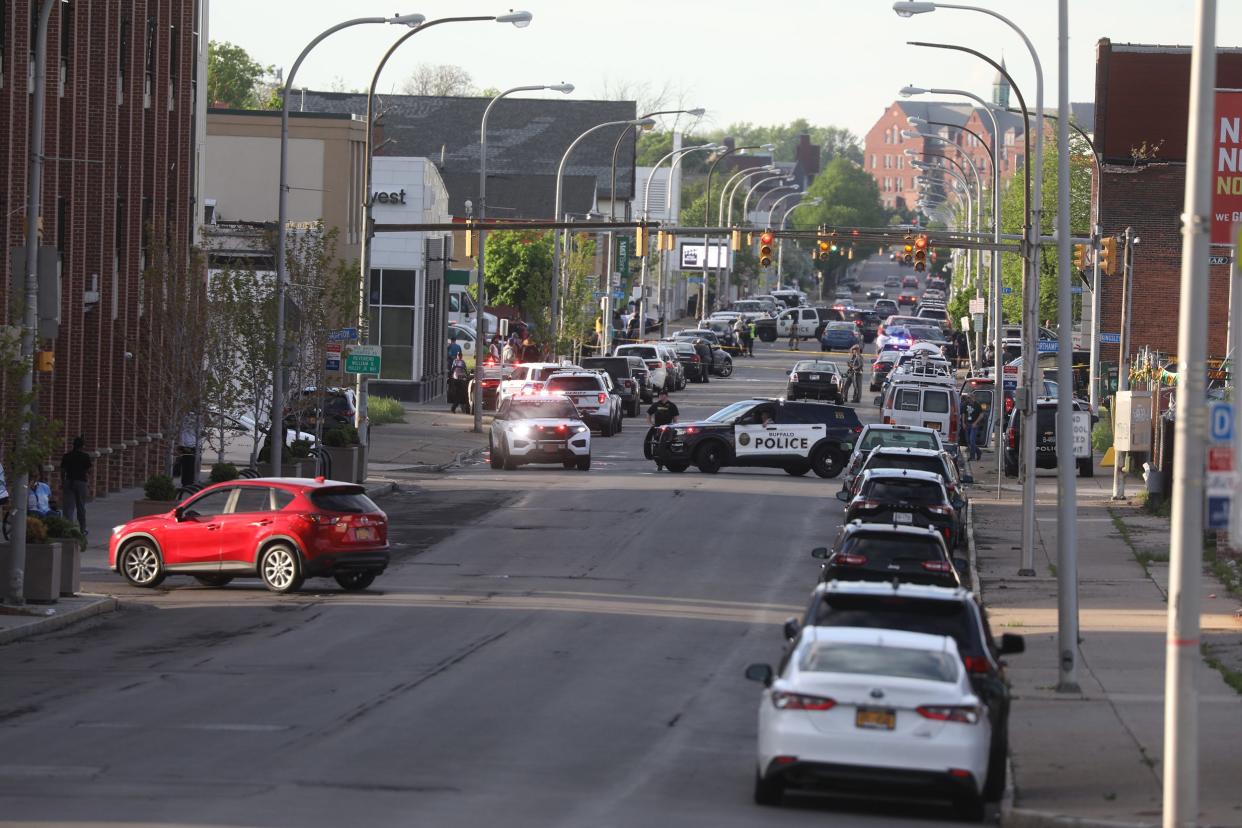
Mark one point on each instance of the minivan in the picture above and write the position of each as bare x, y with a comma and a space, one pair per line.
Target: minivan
927, 405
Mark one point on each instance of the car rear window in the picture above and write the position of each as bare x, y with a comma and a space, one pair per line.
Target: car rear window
913, 462
644, 352
574, 384
935, 402
899, 439
353, 500
615, 368
905, 491
870, 660
900, 612
885, 549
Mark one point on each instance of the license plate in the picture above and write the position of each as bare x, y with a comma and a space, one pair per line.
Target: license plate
364, 533
870, 718
551, 445
903, 517
932, 426
814, 376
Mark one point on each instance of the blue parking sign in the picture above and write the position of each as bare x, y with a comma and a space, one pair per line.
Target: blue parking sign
1218, 511
1220, 424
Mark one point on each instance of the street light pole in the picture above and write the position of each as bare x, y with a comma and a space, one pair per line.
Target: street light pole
722, 265
724, 288
780, 250
277, 441
707, 206
14, 585
1181, 687
480, 284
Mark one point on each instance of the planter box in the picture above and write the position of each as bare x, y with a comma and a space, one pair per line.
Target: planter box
302, 467
345, 462
143, 508
42, 572
70, 568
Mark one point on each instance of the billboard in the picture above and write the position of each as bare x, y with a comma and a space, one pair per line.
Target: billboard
1227, 165
692, 255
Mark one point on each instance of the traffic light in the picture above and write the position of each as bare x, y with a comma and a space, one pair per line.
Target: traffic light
1080, 257
765, 250
735, 241
1108, 256
920, 253
640, 243
824, 249
908, 254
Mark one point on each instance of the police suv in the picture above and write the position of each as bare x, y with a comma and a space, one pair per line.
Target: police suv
773, 433
539, 429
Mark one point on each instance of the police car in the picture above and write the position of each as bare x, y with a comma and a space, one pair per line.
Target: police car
797, 436
539, 429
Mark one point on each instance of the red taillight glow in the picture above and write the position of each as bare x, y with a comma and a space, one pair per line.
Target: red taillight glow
692, 430
603, 398
796, 701
937, 566
562, 428
948, 713
857, 429
668, 365
977, 665
849, 560
793, 377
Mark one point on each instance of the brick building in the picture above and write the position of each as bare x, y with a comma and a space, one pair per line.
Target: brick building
121, 148
1140, 132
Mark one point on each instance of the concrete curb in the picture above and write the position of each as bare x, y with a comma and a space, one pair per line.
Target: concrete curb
105, 604
972, 553
381, 489
1021, 818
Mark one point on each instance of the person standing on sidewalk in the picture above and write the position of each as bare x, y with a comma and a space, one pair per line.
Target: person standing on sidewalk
972, 415
75, 469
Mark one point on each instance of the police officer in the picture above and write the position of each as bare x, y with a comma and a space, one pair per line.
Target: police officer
661, 413
704, 351
853, 374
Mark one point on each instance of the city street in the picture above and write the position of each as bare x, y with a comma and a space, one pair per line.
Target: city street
557, 647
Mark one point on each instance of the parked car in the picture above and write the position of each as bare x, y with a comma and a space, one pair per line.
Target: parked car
840, 336
1045, 438
885, 308
902, 497
280, 530
591, 393
884, 552
651, 356
883, 363
622, 373
695, 370
815, 379
528, 378
877, 435
722, 363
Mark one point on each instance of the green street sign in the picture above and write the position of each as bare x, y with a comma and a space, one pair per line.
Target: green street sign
623, 255
363, 359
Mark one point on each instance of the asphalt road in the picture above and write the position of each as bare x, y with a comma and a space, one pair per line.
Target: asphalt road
550, 648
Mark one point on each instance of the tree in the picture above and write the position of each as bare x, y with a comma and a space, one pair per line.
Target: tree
234, 79
518, 271
849, 198
438, 80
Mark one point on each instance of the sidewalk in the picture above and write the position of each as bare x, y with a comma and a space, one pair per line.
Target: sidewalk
1096, 755
430, 439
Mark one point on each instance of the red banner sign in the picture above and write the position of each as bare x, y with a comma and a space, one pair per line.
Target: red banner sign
1227, 166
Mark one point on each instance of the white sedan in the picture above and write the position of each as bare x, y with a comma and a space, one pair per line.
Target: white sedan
539, 429
882, 709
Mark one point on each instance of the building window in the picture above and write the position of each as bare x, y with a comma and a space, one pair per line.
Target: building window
901, 162
174, 52
122, 60
392, 320
873, 161
62, 223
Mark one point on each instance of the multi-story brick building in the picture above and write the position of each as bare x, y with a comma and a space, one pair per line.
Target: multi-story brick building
121, 146
1142, 95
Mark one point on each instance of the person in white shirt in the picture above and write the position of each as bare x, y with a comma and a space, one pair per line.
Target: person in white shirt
39, 500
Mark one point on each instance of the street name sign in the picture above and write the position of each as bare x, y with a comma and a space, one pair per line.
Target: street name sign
343, 335
1219, 260
363, 359
1047, 346
1110, 338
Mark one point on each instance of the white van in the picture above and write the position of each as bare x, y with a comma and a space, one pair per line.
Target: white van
464, 311
933, 405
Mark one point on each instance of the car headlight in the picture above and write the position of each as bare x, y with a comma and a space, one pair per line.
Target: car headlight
522, 431
581, 429
116, 530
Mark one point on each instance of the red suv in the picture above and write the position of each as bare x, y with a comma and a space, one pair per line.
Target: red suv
282, 530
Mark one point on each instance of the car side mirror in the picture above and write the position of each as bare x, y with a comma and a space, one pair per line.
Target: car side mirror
791, 628
179, 514
962, 566
843, 496
1012, 644
761, 673
819, 552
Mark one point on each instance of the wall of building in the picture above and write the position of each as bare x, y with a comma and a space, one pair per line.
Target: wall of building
119, 138
885, 159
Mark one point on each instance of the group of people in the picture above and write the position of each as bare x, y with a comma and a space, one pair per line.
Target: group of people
517, 347
75, 467
744, 333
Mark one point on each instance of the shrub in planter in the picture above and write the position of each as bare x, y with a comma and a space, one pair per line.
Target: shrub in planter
36, 530
159, 487
340, 436
64, 530
223, 472
72, 542
300, 449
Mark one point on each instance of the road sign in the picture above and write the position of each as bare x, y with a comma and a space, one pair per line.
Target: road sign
363, 359
1220, 458
1221, 422
1047, 346
1219, 260
1082, 434
343, 335
694, 280
623, 254
332, 357
1006, 289
1217, 513
978, 305
1009, 384
1110, 338
1075, 288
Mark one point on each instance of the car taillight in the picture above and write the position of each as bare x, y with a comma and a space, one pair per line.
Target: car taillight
858, 322
977, 665
1012, 437
797, 701
866, 504
696, 357
844, 559
950, 713
940, 510
603, 398
937, 566
320, 520
628, 383
490, 383
793, 377
668, 365
857, 429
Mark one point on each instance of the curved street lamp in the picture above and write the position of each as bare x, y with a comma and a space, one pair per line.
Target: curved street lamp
780, 248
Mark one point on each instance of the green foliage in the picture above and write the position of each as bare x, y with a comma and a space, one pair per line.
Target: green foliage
234, 79
60, 529
300, 449
849, 196
835, 142
652, 146
223, 472
381, 411
30, 448
518, 270
342, 436
1102, 434
159, 487
36, 530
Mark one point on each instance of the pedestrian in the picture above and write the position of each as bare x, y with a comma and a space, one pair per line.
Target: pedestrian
494, 348
704, 352
793, 335
507, 353
39, 500
973, 416
454, 350
750, 338
75, 467
661, 413
854, 373
458, 394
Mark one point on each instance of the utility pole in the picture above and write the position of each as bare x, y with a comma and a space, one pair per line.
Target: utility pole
1123, 357
1067, 462
1094, 368
1182, 661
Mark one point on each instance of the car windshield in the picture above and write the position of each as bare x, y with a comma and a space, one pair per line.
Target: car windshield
921, 332
870, 660
644, 351
353, 500
543, 409
897, 490
899, 612
748, 307
730, 412
574, 384
823, 367
914, 462
899, 439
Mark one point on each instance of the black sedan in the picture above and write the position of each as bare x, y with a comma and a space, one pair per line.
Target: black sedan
884, 552
814, 379
902, 497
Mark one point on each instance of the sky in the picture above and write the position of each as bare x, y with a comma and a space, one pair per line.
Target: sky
833, 62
